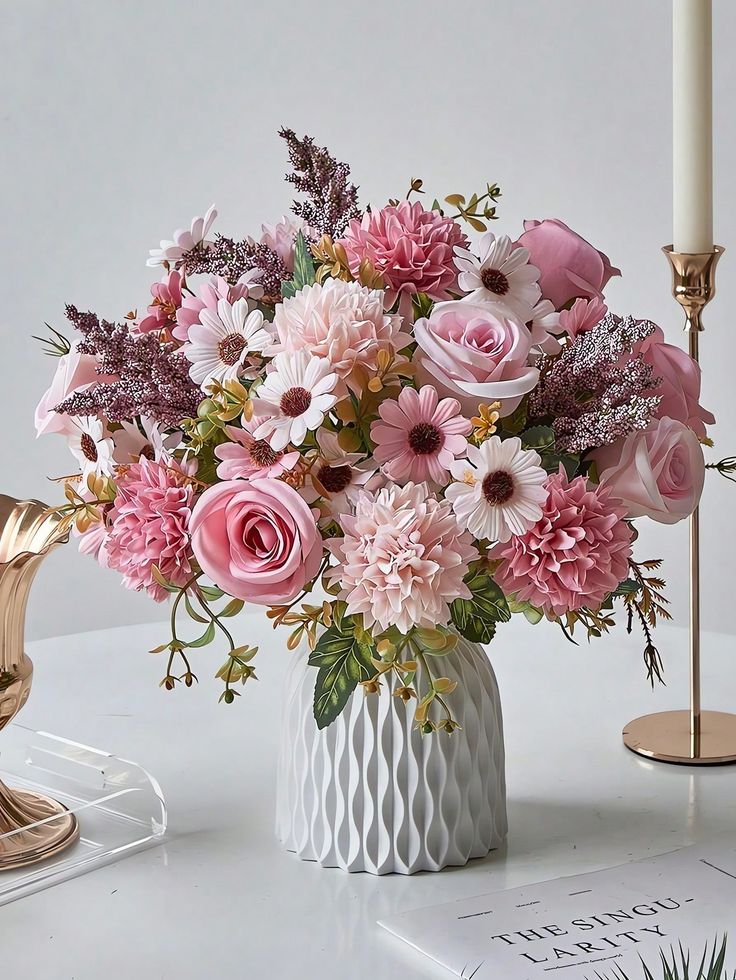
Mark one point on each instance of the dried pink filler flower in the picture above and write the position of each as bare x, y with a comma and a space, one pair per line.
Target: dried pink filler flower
402, 560
149, 525
574, 555
413, 249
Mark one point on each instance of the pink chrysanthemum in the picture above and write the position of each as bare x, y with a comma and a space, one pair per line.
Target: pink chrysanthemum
149, 525
418, 437
574, 555
413, 249
402, 560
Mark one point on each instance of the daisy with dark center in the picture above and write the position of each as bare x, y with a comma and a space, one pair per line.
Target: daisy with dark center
294, 398
219, 344
499, 490
418, 436
245, 456
336, 476
500, 276
92, 449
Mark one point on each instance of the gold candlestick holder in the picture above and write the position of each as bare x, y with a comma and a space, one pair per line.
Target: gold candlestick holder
693, 737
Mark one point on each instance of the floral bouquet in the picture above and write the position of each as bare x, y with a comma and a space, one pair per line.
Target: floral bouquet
434, 434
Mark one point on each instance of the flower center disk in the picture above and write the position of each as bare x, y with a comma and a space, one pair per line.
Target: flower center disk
262, 454
425, 438
88, 447
495, 281
498, 487
231, 348
295, 402
335, 479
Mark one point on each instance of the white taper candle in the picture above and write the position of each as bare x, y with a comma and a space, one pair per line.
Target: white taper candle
692, 126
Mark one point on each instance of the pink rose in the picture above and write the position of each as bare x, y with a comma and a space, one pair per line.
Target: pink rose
657, 472
570, 266
74, 372
256, 539
680, 388
471, 353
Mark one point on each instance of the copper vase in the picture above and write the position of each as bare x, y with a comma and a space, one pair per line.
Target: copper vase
32, 826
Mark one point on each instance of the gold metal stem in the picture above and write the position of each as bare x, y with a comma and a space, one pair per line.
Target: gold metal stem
693, 737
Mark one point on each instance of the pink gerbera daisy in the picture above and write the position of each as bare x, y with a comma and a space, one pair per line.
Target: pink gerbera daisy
418, 437
245, 456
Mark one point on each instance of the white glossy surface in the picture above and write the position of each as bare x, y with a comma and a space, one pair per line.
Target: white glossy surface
221, 899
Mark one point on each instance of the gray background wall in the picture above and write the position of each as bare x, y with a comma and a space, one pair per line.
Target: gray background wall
121, 120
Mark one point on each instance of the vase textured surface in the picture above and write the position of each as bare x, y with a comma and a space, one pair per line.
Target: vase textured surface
370, 793
32, 826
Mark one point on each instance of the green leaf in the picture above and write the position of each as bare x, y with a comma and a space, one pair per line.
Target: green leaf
532, 614
211, 592
207, 637
288, 289
343, 662
193, 614
515, 422
232, 608
539, 437
551, 462
629, 586
303, 264
476, 617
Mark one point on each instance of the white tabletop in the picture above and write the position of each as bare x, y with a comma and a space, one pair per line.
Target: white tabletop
221, 899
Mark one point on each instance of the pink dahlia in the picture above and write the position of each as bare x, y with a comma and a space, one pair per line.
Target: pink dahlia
574, 555
419, 437
167, 299
245, 456
209, 295
402, 560
343, 322
149, 525
413, 249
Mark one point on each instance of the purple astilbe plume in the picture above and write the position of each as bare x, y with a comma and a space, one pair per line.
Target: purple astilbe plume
232, 259
153, 378
332, 200
598, 390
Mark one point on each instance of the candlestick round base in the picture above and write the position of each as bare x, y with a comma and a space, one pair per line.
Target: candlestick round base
666, 737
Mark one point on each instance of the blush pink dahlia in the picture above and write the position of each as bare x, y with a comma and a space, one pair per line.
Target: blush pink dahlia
419, 437
343, 322
574, 555
402, 560
412, 248
149, 525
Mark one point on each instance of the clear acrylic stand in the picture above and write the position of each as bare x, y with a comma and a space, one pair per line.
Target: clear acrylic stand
119, 807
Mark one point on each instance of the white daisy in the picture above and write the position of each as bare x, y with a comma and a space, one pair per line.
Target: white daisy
296, 394
543, 325
500, 276
500, 489
146, 438
172, 250
219, 344
91, 448
337, 476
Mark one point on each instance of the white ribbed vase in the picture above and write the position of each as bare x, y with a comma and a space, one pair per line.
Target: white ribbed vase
370, 793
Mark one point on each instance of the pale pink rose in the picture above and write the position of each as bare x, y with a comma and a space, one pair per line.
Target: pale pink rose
680, 387
476, 356
570, 266
256, 539
657, 472
74, 372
